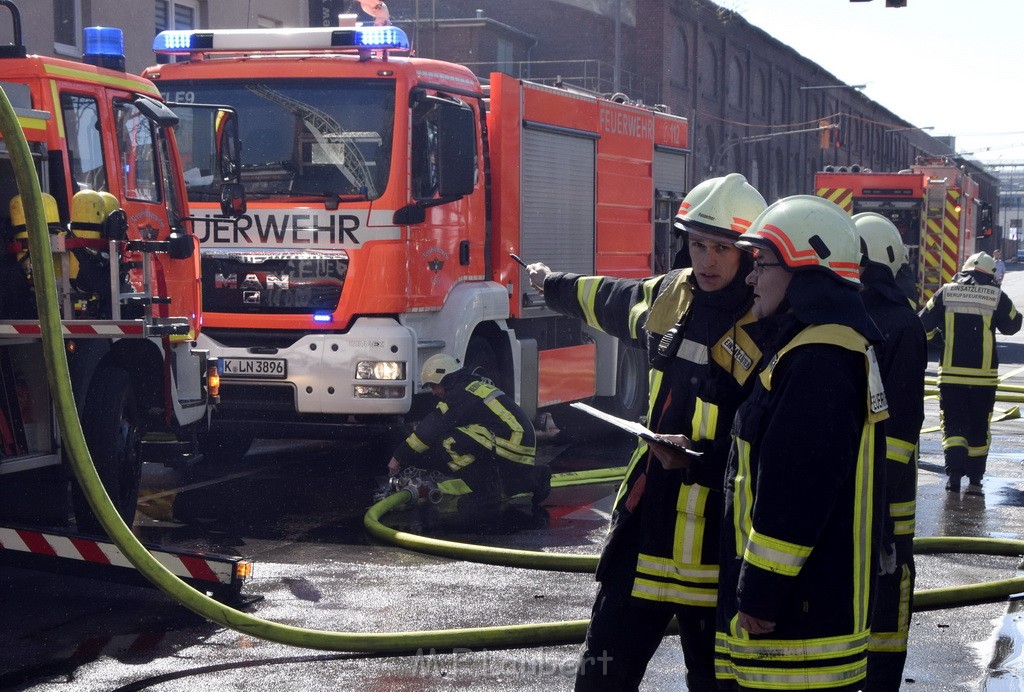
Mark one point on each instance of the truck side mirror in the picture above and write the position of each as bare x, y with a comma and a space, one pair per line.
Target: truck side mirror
229, 150
456, 150
232, 200
180, 245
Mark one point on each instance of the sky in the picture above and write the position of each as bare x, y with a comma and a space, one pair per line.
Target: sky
955, 65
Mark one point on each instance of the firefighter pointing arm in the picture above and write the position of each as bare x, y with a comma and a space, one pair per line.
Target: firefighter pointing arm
661, 555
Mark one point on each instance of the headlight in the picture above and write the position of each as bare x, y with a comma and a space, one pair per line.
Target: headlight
378, 392
380, 370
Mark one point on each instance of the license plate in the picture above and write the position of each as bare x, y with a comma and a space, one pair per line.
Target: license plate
273, 368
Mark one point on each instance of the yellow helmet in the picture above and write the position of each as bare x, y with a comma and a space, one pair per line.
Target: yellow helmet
880, 240
16, 210
437, 367
808, 232
87, 213
980, 262
721, 208
110, 203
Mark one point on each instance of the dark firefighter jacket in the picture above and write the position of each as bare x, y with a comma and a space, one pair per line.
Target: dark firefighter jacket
802, 500
475, 418
968, 311
902, 359
703, 364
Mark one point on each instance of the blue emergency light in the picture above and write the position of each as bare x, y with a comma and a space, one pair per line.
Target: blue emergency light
261, 40
104, 47
321, 317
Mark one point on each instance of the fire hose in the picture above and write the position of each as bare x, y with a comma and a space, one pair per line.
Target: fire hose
534, 634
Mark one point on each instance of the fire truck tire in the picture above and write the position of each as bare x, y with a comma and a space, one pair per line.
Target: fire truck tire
480, 356
630, 400
112, 423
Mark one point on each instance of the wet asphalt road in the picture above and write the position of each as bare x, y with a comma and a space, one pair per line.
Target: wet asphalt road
296, 510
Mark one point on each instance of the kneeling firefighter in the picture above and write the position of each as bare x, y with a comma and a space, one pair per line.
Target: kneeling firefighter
477, 434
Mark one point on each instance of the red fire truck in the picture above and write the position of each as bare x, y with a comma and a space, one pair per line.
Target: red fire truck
385, 196
933, 203
127, 267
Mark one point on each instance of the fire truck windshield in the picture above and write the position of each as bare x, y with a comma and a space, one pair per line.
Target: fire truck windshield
311, 139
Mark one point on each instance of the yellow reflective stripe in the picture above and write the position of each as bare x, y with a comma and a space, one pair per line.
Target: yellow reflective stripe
638, 454
888, 642
640, 309
656, 566
743, 496
977, 451
899, 450
971, 381
58, 114
665, 592
586, 295
479, 434
896, 642
416, 443
136, 85
705, 420
454, 486
904, 519
805, 661
988, 337
862, 521
457, 461
904, 527
775, 555
954, 441
689, 529
801, 678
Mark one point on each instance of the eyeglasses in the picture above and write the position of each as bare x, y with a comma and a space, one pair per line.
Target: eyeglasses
760, 265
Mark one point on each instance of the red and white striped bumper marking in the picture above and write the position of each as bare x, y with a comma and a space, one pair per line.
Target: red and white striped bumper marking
104, 553
98, 329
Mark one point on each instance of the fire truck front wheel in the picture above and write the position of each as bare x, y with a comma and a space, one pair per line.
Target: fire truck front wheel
112, 423
630, 400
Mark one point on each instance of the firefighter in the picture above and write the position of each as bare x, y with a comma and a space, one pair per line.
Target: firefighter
968, 311
660, 556
476, 434
902, 360
798, 553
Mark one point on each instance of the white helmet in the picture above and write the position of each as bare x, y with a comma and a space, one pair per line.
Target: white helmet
980, 262
437, 367
880, 240
808, 232
720, 208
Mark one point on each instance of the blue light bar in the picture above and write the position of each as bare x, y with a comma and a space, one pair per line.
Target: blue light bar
104, 46
322, 317
265, 40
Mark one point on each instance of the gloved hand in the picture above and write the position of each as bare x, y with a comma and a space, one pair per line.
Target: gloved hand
394, 467
887, 559
538, 271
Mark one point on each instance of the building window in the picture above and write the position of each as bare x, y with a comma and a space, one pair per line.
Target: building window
506, 57
66, 19
709, 70
734, 83
176, 14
